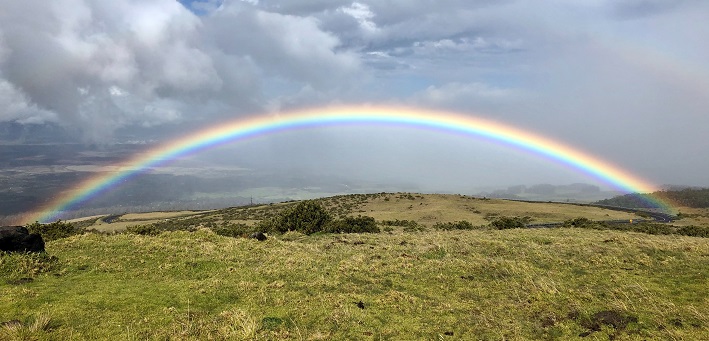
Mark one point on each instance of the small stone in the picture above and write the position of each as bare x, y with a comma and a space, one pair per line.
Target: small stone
258, 236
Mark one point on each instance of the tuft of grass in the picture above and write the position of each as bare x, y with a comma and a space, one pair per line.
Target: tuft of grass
19, 268
36, 328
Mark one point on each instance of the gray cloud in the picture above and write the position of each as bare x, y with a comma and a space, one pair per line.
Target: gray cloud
575, 71
101, 65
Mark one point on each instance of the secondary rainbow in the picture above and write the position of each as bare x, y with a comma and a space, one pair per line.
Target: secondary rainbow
445, 122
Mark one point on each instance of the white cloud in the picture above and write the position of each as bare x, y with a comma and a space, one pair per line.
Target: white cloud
72, 59
362, 14
14, 106
472, 97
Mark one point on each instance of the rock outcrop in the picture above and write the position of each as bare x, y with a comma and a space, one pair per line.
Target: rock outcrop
18, 239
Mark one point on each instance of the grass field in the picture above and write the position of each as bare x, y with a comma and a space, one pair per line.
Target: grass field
426, 209
516, 284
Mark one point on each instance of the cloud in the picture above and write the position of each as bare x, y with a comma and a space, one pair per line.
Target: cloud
14, 106
568, 70
644, 8
63, 61
362, 14
67, 55
280, 45
462, 95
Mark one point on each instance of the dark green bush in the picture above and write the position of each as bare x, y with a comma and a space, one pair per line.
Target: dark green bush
359, 224
397, 222
55, 230
503, 223
234, 230
306, 217
693, 231
651, 228
145, 230
578, 222
417, 228
456, 225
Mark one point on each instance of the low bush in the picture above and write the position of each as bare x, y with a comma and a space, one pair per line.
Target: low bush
359, 224
579, 222
145, 230
693, 231
397, 222
456, 225
235, 230
56, 230
306, 217
503, 223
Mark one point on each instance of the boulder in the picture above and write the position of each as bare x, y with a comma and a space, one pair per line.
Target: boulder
18, 239
258, 236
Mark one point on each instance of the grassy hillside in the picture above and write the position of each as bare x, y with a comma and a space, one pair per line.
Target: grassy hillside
401, 284
426, 209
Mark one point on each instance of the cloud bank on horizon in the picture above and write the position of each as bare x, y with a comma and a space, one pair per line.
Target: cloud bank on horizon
627, 79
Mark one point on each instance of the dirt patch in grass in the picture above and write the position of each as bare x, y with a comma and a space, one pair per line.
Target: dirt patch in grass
618, 320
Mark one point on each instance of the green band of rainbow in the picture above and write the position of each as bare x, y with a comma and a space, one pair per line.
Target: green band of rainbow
444, 122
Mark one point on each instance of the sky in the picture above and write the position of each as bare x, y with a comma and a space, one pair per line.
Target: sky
624, 80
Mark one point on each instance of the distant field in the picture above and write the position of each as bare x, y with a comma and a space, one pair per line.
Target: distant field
693, 216
120, 222
432, 208
427, 209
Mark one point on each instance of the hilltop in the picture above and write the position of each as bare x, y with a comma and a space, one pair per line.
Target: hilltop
425, 209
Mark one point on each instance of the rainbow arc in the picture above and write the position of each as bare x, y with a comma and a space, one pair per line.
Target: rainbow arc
439, 121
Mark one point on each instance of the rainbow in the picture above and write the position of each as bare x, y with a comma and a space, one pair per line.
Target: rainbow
445, 122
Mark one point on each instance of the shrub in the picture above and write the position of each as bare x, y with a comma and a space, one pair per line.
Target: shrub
650, 228
397, 222
578, 222
234, 229
359, 224
503, 223
417, 228
456, 225
306, 217
693, 231
55, 230
145, 230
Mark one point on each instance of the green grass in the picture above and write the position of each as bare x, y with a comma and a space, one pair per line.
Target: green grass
471, 284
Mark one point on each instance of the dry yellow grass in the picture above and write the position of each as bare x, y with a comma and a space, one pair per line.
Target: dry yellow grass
693, 216
76, 220
426, 209
432, 208
158, 215
123, 221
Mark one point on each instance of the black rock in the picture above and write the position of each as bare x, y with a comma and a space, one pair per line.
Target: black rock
18, 239
258, 236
